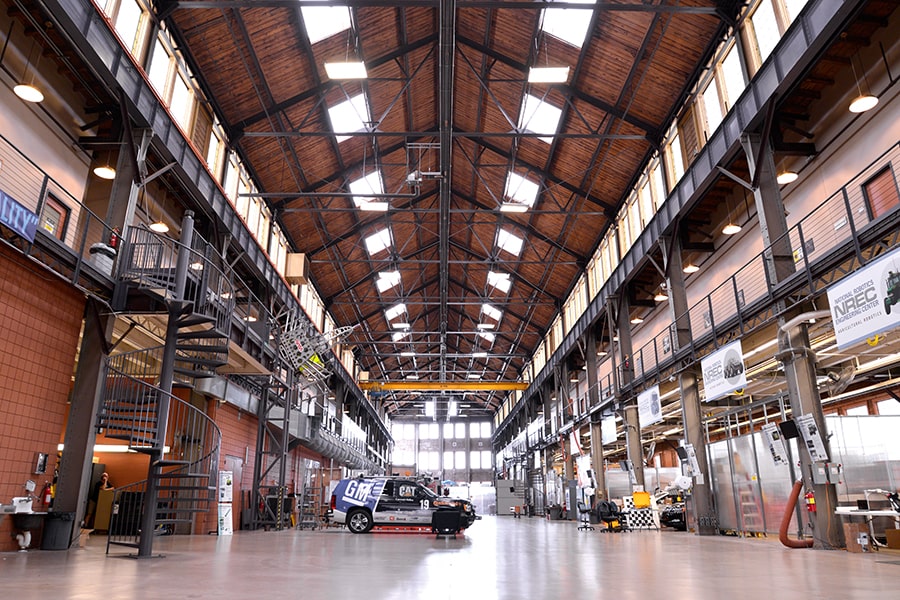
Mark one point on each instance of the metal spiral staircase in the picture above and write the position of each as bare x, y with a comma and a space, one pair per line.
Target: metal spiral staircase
181, 282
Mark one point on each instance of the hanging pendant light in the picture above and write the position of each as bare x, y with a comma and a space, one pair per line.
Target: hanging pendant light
26, 90
865, 101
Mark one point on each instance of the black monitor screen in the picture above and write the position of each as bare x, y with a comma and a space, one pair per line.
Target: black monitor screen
789, 429
682, 453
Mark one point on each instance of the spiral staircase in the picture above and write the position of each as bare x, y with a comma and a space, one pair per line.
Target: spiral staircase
178, 282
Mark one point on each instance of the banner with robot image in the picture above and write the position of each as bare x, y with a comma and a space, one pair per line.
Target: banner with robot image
867, 302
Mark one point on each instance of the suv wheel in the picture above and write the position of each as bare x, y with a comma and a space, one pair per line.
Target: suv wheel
359, 521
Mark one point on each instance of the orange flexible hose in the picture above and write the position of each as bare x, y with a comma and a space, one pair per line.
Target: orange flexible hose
786, 520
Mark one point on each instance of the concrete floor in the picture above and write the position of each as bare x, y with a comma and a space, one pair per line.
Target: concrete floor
499, 557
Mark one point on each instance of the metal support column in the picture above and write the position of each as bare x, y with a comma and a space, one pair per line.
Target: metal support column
703, 513
629, 402
793, 339
90, 379
166, 377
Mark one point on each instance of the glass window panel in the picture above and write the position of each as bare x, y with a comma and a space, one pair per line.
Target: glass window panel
501, 281
475, 459
857, 411
794, 7
567, 24
677, 158
159, 68
889, 407
520, 190
448, 431
538, 116
732, 76
486, 429
510, 242
128, 22
378, 241
460, 459
349, 116
325, 21
423, 431
448, 459
433, 434
486, 462
712, 107
765, 26
460, 431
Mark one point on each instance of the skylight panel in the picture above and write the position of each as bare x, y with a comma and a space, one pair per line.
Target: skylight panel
386, 280
370, 184
538, 116
395, 311
491, 311
519, 192
487, 335
325, 21
399, 335
349, 116
501, 281
510, 242
567, 24
378, 241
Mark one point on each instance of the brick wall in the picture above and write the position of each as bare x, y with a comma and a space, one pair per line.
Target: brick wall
40, 321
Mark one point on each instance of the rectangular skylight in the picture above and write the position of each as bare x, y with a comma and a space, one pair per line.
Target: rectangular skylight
378, 241
395, 311
346, 70
491, 311
487, 335
473, 376
370, 184
501, 281
519, 191
349, 116
325, 21
567, 24
399, 335
509, 242
548, 74
386, 280
538, 116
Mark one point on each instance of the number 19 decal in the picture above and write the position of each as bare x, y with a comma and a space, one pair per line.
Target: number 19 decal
425, 504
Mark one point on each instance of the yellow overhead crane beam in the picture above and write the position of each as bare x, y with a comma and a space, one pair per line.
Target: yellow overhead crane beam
444, 386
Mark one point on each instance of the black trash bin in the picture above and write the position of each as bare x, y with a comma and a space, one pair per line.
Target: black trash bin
57, 530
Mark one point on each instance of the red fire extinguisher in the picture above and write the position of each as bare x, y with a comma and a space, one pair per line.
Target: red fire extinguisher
47, 495
810, 499
114, 238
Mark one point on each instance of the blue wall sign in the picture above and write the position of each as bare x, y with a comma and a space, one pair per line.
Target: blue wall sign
17, 217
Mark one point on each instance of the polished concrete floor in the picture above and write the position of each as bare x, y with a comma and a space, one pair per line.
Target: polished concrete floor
497, 558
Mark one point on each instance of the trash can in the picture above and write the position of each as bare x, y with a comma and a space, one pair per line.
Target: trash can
57, 530
103, 257
555, 512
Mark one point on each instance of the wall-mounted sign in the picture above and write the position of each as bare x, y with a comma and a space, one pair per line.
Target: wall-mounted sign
649, 409
809, 431
866, 302
17, 217
723, 371
608, 430
776, 443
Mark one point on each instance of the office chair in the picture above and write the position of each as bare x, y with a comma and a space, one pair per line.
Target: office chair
584, 517
609, 513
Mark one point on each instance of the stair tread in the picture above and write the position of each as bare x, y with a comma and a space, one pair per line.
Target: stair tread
206, 362
195, 319
202, 334
208, 348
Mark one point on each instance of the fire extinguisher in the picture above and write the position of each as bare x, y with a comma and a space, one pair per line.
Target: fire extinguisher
114, 238
810, 499
46, 495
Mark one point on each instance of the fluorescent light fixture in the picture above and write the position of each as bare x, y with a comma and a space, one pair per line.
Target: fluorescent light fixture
636, 320
513, 207
602, 353
731, 229
473, 376
28, 93
548, 74
105, 172
346, 70
401, 325
690, 268
863, 103
412, 377
159, 227
485, 326
407, 354
786, 177
479, 355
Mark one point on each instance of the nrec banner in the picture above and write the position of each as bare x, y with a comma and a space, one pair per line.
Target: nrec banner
867, 302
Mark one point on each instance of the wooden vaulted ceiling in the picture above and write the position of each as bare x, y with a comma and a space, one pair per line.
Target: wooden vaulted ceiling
268, 86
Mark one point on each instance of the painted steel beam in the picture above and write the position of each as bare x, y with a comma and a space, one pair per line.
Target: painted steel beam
442, 386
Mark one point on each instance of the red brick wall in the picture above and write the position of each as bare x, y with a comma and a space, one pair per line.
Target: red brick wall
40, 320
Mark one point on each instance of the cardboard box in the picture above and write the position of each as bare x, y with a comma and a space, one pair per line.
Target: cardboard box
893, 538
852, 533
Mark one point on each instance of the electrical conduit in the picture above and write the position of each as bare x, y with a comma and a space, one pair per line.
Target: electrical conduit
786, 520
